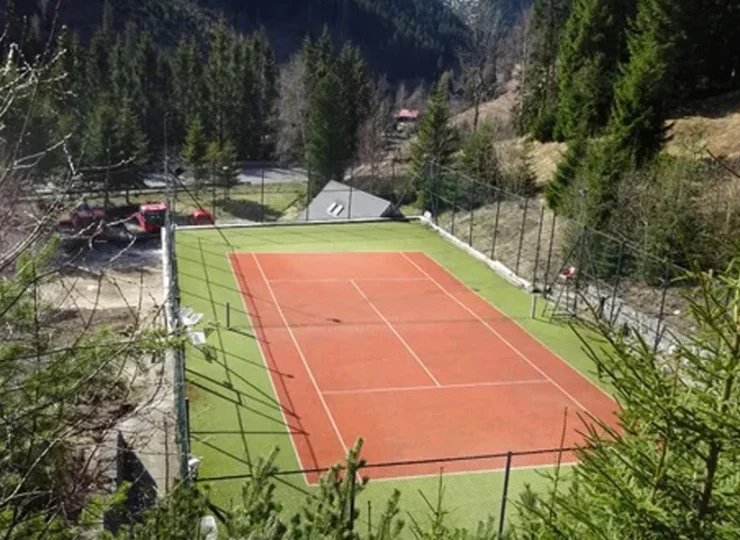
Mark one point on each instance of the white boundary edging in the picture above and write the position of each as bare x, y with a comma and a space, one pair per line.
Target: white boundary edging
258, 225
496, 266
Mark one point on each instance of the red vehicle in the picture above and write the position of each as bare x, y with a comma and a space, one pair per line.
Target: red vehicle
147, 220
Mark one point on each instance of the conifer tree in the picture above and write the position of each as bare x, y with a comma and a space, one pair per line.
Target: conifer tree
327, 137
152, 81
671, 470
187, 86
566, 174
436, 143
588, 54
538, 97
194, 152
353, 74
478, 159
98, 67
266, 78
643, 92
220, 84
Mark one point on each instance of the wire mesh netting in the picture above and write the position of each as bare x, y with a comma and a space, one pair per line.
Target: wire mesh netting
471, 490
578, 270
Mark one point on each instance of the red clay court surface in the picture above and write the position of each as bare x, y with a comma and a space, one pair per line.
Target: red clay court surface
393, 348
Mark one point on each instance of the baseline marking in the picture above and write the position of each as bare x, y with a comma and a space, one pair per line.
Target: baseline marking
495, 332
341, 280
300, 353
415, 388
388, 323
234, 257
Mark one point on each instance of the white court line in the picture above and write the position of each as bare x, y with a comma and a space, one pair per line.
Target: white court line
242, 294
457, 473
342, 280
388, 323
496, 333
300, 353
415, 388
530, 334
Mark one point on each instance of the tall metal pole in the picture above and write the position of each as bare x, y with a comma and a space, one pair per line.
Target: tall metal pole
521, 237
502, 515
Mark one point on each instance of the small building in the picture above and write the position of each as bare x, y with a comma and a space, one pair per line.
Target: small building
407, 115
340, 202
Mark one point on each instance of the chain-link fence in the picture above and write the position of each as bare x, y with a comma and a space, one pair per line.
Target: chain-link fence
176, 354
577, 269
470, 489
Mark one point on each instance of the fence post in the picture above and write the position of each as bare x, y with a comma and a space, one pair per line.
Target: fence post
454, 204
617, 281
537, 253
187, 421
351, 181
661, 313
471, 209
308, 193
549, 250
495, 227
262, 197
504, 496
521, 237
352, 499
579, 267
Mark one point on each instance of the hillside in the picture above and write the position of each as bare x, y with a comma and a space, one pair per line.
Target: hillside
712, 123
404, 39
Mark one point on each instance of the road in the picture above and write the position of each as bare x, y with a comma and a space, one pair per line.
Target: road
249, 175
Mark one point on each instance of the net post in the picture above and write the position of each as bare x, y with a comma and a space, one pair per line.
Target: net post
504, 496
495, 226
521, 236
228, 315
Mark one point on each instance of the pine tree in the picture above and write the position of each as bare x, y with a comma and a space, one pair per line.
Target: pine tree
538, 96
643, 92
670, 471
221, 86
436, 143
98, 67
327, 137
353, 74
152, 81
222, 160
187, 86
566, 174
478, 161
194, 151
266, 78
588, 54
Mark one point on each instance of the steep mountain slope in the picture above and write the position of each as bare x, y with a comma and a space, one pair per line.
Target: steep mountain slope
406, 39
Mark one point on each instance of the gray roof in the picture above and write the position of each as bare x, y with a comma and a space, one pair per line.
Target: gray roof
339, 201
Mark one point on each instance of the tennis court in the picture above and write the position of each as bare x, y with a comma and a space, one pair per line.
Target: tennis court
379, 330
391, 347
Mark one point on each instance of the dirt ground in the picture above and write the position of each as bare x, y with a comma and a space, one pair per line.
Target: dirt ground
120, 289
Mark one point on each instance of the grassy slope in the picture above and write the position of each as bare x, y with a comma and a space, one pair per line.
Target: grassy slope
234, 417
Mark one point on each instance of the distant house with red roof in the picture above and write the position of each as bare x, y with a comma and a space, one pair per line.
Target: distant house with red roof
407, 115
